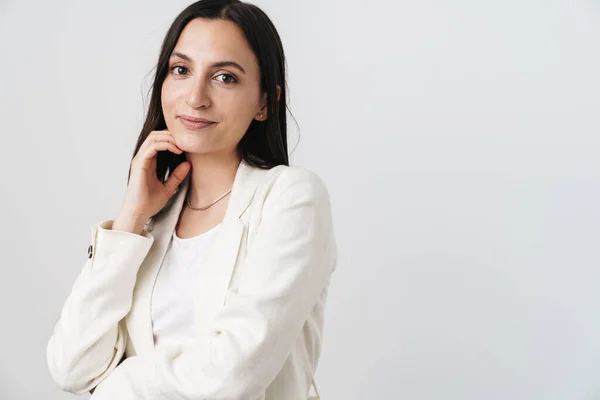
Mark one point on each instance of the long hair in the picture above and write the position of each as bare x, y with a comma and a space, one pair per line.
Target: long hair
264, 144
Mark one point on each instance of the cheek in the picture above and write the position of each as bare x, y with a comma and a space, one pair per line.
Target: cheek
241, 112
243, 107
168, 98
165, 100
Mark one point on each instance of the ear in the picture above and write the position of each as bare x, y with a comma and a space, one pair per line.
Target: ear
261, 115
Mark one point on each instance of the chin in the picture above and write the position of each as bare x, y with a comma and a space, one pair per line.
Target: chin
196, 149
190, 141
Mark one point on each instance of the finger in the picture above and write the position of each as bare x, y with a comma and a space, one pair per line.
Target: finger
155, 147
178, 176
160, 133
153, 135
166, 131
156, 136
147, 150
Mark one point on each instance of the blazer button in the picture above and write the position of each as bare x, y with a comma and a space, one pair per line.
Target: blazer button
90, 251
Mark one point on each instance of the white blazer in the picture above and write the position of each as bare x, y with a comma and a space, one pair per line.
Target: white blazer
259, 305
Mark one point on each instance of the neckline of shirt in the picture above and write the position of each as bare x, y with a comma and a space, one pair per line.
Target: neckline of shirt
194, 238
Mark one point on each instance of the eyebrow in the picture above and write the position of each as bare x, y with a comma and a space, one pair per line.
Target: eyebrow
218, 64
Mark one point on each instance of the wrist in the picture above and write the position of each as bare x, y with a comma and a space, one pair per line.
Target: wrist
129, 223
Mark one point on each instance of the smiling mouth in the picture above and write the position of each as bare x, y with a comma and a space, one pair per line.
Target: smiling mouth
195, 124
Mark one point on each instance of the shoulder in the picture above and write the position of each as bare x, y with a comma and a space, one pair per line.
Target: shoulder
285, 189
292, 205
294, 182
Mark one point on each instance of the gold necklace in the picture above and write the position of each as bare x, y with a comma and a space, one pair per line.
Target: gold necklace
187, 198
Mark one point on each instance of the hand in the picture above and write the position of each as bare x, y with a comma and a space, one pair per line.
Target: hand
146, 194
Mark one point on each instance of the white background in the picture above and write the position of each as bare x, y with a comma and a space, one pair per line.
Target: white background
459, 141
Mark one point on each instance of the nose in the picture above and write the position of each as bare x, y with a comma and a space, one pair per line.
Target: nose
198, 95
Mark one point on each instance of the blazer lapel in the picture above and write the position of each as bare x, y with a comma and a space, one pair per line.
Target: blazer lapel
218, 263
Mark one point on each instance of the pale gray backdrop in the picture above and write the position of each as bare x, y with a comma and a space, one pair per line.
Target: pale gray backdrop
459, 140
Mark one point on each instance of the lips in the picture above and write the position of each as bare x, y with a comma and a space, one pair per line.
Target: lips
195, 123
195, 119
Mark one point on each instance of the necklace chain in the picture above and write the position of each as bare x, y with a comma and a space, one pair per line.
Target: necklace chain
205, 207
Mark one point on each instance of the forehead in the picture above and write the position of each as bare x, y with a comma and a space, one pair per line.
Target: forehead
206, 41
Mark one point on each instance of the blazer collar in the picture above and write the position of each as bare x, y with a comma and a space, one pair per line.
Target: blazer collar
245, 183
220, 260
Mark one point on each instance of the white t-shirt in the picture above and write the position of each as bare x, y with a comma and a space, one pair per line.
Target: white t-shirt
173, 296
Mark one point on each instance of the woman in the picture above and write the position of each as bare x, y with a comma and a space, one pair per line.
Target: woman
211, 281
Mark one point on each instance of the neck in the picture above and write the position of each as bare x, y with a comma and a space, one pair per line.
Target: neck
211, 176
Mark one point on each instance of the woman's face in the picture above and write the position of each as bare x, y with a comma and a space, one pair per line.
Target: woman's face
214, 75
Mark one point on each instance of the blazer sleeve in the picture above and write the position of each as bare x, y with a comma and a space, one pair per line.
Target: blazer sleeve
288, 264
89, 338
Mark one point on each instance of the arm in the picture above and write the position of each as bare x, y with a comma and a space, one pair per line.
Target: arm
119, 363
288, 264
89, 338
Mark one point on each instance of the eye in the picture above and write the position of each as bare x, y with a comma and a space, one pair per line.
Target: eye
228, 78
178, 66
